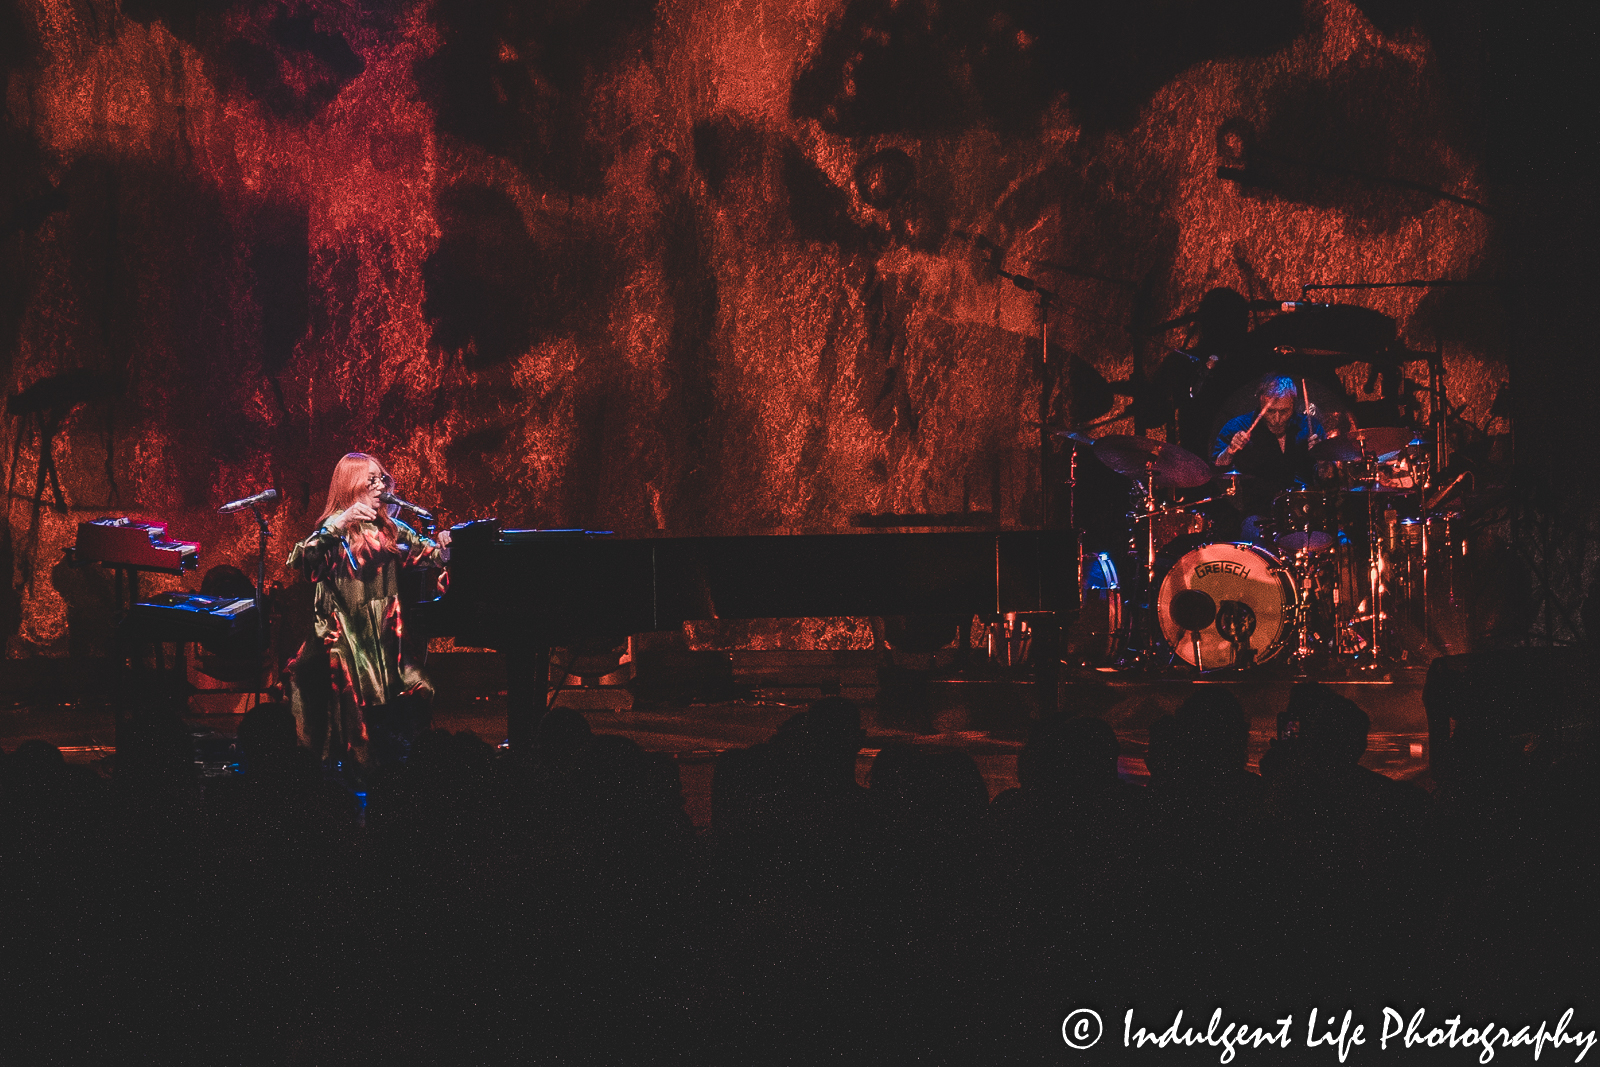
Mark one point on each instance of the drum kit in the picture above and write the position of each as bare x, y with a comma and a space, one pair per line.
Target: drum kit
1341, 577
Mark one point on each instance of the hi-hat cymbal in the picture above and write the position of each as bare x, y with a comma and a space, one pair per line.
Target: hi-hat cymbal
1166, 465
1232, 483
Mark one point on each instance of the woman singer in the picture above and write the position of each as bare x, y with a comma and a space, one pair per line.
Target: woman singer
356, 695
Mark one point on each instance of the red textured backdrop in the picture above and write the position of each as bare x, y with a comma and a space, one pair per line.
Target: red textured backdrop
691, 265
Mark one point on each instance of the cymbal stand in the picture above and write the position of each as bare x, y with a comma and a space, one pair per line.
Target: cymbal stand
1378, 568
1148, 487
1300, 566
1375, 569
1417, 569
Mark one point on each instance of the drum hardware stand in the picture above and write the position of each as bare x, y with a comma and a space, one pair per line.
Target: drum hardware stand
1300, 567
1438, 408
1141, 640
1236, 623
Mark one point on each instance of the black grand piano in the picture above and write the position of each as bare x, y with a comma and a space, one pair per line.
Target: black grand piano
523, 592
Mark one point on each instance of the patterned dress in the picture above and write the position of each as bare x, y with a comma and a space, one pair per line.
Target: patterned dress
355, 661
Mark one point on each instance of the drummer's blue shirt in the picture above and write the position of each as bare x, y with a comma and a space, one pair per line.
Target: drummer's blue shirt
1278, 468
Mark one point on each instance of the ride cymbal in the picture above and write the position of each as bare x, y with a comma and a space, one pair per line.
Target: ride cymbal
1166, 465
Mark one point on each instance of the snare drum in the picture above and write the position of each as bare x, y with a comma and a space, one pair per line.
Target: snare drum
1304, 520
1252, 597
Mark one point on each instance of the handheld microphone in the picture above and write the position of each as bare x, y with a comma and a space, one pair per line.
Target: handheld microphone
266, 496
390, 498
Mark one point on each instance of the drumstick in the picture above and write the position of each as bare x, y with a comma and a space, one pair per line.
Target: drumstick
1229, 450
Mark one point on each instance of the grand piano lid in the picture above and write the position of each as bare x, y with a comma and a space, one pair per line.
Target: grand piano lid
527, 536
490, 529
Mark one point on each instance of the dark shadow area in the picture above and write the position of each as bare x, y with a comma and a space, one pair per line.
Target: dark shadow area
923, 68
1342, 143
512, 79
532, 899
492, 289
294, 69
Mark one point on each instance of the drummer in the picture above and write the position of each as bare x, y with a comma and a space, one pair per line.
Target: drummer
1273, 446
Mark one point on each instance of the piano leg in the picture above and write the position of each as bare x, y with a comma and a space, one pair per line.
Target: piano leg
527, 688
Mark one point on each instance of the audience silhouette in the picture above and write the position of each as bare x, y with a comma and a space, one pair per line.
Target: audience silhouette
483, 906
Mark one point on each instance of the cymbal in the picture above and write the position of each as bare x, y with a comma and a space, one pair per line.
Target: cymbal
1168, 466
1367, 487
1074, 436
1232, 482
1341, 449
1380, 439
1337, 328
1410, 446
1307, 540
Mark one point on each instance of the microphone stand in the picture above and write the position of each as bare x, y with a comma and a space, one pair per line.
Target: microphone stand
262, 535
1047, 630
1045, 299
1047, 626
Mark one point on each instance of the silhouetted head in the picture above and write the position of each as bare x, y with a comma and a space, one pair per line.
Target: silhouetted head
895, 771
1068, 754
561, 732
941, 786
833, 725
1332, 729
1223, 318
1212, 735
155, 754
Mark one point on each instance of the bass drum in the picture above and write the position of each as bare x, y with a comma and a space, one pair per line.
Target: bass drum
1098, 634
1245, 593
